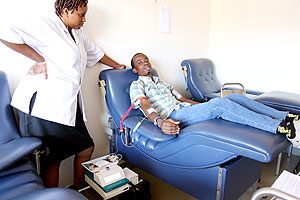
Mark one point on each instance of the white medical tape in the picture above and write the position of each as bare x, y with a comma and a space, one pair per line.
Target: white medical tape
137, 102
150, 110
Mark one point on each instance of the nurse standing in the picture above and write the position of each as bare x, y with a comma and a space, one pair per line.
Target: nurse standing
49, 98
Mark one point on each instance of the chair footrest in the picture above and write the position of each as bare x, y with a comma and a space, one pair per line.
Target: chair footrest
281, 100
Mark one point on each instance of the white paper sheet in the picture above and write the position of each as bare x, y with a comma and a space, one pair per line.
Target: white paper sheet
289, 183
164, 19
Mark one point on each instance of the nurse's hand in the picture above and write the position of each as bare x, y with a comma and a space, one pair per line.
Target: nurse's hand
38, 69
120, 66
169, 126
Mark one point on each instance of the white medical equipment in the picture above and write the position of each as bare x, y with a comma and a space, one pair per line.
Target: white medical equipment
109, 175
131, 176
106, 177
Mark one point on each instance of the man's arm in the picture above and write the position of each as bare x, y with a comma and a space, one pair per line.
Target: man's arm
168, 126
179, 97
182, 99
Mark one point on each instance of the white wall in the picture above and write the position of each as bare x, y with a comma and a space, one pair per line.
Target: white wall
123, 28
257, 43
253, 42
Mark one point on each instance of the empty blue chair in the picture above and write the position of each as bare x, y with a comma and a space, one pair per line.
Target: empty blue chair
202, 81
18, 176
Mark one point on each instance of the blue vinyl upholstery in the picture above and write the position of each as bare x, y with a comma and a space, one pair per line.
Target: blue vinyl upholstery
193, 160
203, 84
283, 101
12, 147
52, 193
18, 176
202, 80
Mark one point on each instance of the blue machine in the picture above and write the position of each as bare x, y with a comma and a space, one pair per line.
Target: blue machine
18, 176
214, 159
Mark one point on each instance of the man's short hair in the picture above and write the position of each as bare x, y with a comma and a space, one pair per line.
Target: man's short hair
132, 63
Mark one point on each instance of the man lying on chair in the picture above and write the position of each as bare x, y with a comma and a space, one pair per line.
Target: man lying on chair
172, 111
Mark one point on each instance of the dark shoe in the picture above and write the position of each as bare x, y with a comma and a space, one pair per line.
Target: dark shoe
292, 117
296, 140
287, 128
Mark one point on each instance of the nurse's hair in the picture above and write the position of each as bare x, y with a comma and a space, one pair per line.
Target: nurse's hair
132, 63
69, 4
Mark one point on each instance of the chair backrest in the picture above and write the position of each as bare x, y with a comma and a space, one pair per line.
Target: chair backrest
8, 127
201, 78
117, 92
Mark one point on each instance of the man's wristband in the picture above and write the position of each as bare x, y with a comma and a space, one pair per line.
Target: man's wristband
155, 121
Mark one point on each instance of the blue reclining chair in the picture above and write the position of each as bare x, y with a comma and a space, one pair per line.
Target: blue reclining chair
18, 176
202, 81
214, 159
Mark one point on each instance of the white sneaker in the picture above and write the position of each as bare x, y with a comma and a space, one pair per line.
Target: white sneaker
296, 140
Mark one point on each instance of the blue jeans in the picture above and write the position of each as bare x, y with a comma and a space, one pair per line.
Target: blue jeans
235, 108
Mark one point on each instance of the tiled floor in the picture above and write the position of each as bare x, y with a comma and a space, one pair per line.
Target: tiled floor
163, 191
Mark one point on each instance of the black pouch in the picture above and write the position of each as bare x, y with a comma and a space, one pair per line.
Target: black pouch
140, 191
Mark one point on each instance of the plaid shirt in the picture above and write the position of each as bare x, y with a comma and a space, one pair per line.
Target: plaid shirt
161, 96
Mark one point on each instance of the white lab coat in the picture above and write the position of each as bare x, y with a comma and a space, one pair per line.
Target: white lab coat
66, 60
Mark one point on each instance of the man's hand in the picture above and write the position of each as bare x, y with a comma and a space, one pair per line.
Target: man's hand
38, 69
169, 126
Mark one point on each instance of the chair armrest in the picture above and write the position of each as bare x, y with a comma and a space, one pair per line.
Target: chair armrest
52, 193
147, 129
281, 100
16, 149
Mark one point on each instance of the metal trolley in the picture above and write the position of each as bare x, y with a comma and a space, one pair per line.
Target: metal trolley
279, 190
